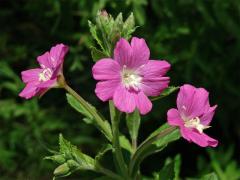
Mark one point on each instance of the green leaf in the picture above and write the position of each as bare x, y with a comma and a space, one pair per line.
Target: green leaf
97, 54
129, 27
93, 30
102, 152
133, 123
177, 167
118, 22
125, 144
156, 142
173, 136
104, 127
170, 171
211, 176
77, 106
166, 92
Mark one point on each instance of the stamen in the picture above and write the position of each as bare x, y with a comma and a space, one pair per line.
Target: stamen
130, 78
45, 75
195, 123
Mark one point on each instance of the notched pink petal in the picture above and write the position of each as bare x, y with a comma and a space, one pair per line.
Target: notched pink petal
105, 89
43, 60
123, 53
57, 54
106, 69
174, 118
143, 103
185, 98
124, 100
192, 101
140, 52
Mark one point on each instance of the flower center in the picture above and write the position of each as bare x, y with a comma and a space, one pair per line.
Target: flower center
45, 75
131, 78
195, 123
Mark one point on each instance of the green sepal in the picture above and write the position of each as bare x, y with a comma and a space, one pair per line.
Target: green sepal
97, 54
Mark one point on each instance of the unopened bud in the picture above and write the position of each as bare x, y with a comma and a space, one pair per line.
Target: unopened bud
61, 170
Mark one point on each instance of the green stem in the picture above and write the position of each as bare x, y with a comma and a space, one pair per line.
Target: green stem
116, 145
109, 173
147, 143
91, 110
134, 144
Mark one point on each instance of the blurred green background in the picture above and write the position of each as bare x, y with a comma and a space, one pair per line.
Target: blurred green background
201, 39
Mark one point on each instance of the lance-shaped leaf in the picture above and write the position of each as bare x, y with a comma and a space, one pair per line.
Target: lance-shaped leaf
93, 30
166, 92
170, 170
89, 119
125, 144
133, 123
104, 127
129, 27
156, 142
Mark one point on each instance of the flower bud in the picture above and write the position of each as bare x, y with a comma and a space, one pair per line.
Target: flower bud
61, 170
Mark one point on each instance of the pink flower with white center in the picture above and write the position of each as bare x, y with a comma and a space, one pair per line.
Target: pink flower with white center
193, 115
130, 77
39, 80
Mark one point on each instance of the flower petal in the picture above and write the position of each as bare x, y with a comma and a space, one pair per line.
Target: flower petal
202, 140
48, 84
57, 54
124, 100
174, 118
154, 87
29, 91
123, 53
43, 60
31, 75
105, 89
143, 103
154, 69
206, 118
191, 101
106, 69
140, 52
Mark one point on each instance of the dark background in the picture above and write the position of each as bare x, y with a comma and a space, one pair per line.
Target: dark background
201, 39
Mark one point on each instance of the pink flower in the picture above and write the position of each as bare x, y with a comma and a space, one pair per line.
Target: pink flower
39, 80
193, 115
130, 77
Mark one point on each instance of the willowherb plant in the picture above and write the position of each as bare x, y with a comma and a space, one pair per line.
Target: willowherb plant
126, 77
